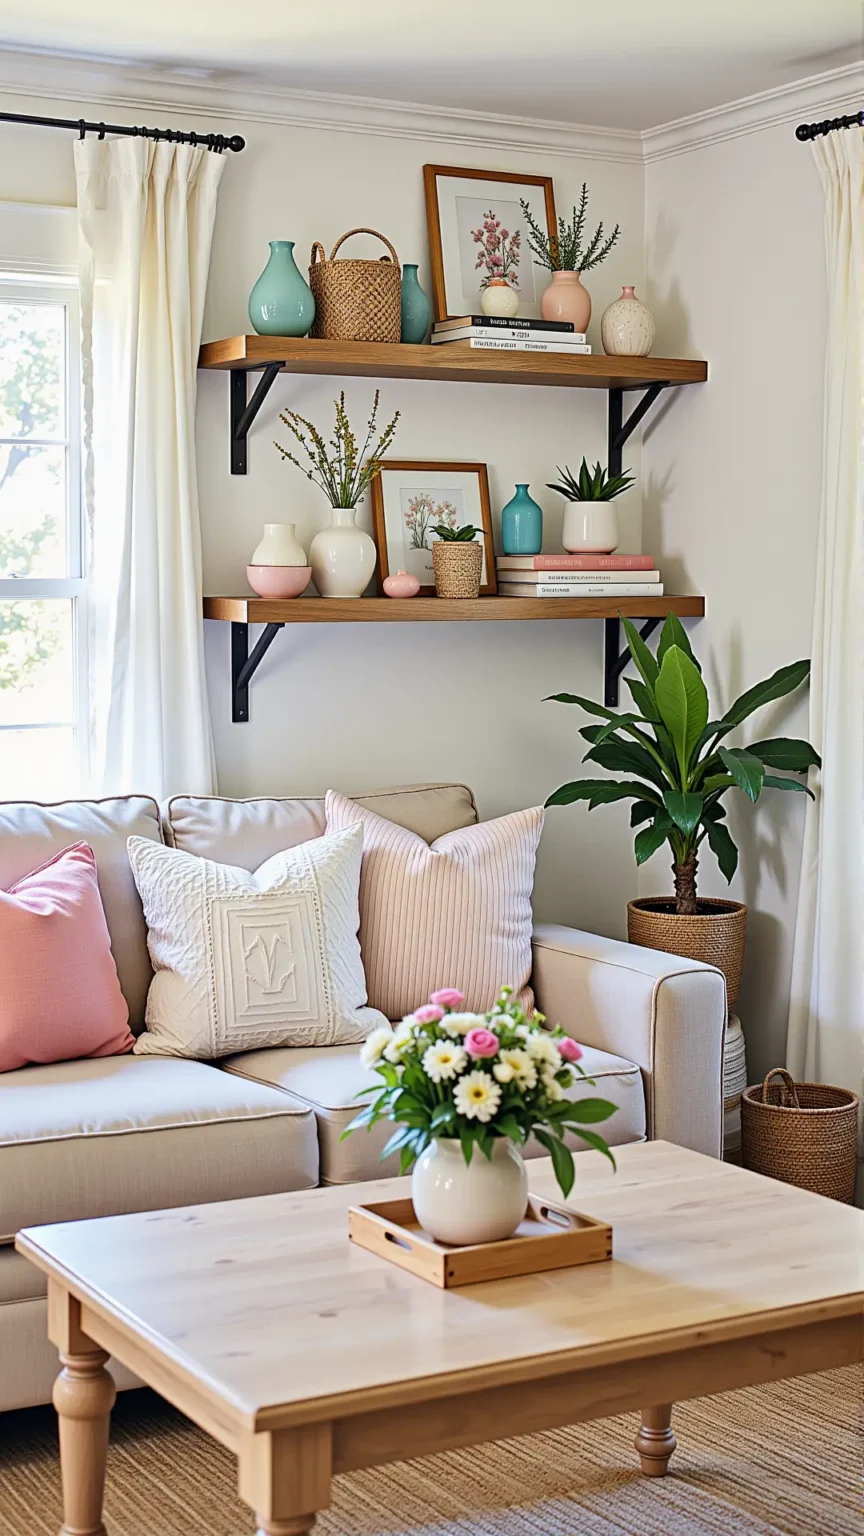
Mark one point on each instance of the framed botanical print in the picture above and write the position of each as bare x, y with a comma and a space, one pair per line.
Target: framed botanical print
411, 497
477, 231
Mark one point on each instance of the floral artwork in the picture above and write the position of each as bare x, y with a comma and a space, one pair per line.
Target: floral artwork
415, 501
500, 250
423, 515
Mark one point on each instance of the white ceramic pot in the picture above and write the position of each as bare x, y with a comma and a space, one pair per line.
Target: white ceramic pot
477, 1202
279, 546
627, 327
498, 298
590, 527
342, 556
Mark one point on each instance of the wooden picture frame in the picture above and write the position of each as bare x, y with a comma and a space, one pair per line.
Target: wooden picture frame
440, 246
463, 489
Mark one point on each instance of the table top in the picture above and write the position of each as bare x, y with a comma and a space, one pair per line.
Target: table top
264, 1303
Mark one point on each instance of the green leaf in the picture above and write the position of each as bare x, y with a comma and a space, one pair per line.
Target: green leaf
712, 810
674, 633
682, 700
486, 1142
645, 663
781, 682
593, 1140
562, 1159
643, 810
746, 770
643, 698
786, 752
652, 838
771, 781
627, 757
723, 848
580, 789
620, 724
587, 704
466, 1138
589, 1111
685, 810
511, 1127
443, 1115
400, 1137
625, 789
366, 1118
717, 781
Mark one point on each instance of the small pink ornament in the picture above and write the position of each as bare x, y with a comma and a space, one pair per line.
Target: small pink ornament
430, 1013
569, 1049
448, 997
401, 585
481, 1042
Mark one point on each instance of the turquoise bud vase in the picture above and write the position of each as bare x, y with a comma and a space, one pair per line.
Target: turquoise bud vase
416, 309
522, 525
281, 303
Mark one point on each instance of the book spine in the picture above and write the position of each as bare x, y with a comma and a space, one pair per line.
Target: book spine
494, 345
558, 578
529, 323
575, 563
588, 589
466, 332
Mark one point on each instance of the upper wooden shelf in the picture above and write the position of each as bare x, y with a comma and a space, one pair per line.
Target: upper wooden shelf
455, 362
418, 610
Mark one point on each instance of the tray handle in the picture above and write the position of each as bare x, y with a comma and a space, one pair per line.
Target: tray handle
788, 1085
554, 1215
398, 1239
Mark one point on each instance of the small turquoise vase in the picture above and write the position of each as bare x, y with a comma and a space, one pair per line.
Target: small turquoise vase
281, 303
522, 525
416, 308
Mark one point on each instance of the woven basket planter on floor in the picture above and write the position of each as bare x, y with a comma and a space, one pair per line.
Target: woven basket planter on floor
715, 935
801, 1133
356, 299
458, 568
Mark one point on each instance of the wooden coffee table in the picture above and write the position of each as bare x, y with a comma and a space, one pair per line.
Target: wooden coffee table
307, 1356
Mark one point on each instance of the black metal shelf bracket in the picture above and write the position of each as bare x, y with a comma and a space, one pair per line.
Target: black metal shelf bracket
244, 666
619, 429
243, 412
615, 659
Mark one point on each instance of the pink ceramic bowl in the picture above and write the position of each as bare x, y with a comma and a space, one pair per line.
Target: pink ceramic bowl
278, 580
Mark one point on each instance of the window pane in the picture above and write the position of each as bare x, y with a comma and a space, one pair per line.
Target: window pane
36, 663
32, 511
38, 765
32, 370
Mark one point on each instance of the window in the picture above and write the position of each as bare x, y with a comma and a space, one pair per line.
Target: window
42, 592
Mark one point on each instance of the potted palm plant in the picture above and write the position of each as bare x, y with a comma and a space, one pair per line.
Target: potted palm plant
678, 768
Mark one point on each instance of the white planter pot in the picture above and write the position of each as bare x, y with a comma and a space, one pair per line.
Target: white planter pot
590, 527
342, 556
477, 1202
279, 546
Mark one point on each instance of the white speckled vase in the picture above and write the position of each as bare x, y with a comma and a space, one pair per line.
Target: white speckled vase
478, 1202
627, 327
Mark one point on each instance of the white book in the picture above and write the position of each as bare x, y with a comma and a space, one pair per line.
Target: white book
508, 333
494, 345
583, 589
572, 578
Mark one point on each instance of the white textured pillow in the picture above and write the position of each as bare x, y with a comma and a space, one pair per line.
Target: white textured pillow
453, 914
244, 961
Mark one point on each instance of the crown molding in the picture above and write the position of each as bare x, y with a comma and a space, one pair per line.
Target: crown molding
828, 94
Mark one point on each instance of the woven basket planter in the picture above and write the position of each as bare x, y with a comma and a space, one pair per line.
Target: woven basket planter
356, 299
458, 568
716, 935
801, 1133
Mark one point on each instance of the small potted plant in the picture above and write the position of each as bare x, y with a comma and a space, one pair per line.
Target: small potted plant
458, 561
466, 1091
566, 256
678, 770
590, 520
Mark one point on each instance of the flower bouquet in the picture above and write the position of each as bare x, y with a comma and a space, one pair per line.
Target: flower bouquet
459, 1082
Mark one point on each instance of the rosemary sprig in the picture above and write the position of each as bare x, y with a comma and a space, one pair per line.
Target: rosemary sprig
342, 472
564, 251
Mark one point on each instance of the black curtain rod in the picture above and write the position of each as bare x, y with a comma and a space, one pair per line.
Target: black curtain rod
806, 131
214, 141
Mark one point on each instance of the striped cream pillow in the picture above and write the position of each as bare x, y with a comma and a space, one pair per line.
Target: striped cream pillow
453, 914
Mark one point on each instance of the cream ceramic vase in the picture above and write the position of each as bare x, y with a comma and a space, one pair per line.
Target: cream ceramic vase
590, 528
478, 1202
279, 546
499, 299
627, 327
342, 556
567, 298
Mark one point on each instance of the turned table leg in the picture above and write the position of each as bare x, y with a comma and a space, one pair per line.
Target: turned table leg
655, 1441
84, 1394
285, 1477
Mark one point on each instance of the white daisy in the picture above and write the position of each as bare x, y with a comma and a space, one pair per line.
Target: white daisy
503, 1071
443, 1060
553, 1088
477, 1096
543, 1050
402, 1036
374, 1047
460, 1023
523, 1067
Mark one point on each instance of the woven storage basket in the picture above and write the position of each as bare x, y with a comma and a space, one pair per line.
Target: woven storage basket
458, 568
716, 934
802, 1133
356, 299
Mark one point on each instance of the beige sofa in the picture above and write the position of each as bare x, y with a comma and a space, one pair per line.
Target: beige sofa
93, 1138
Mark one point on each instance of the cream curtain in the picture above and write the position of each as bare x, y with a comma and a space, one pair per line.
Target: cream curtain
826, 1018
145, 215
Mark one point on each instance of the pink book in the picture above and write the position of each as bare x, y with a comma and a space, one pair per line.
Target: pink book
575, 562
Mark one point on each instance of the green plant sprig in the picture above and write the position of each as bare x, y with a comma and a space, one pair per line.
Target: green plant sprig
563, 252
342, 471
591, 485
449, 535
677, 771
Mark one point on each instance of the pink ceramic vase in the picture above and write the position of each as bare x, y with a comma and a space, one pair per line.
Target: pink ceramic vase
401, 584
567, 299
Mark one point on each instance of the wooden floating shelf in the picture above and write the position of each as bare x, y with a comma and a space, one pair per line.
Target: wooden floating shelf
441, 610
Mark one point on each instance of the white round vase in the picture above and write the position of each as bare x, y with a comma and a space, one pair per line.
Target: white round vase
279, 546
499, 299
627, 327
478, 1202
590, 527
342, 556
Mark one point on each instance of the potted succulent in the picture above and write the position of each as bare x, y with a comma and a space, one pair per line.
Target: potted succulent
458, 561
678, 769
590, 520
567, 256
466, 1091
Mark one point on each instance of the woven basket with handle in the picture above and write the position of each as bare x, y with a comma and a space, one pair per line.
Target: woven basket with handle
802, 1133
356, 299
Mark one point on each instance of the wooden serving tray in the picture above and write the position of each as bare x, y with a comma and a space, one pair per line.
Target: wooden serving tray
550, 1237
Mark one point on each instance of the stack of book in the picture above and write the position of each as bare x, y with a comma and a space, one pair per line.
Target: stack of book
578, 576
511, 335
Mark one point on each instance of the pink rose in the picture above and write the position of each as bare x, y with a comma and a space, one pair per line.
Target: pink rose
569, 1049
481, 1042
430, 1013
448, 997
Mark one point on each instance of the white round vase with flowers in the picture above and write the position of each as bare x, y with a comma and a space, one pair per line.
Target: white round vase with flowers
472, 1089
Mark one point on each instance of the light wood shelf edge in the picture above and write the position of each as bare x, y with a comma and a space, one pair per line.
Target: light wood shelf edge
419, 610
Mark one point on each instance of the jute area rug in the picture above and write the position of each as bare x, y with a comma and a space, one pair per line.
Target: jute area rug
782, 1460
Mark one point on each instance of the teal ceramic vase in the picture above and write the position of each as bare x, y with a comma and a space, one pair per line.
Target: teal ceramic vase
522, 525
415, 306
281, 303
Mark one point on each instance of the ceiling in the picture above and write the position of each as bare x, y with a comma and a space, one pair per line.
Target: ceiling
615, 63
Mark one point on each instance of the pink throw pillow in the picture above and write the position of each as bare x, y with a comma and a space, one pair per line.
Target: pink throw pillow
59, 994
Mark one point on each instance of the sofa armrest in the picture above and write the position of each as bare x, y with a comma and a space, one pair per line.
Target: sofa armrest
666, 1014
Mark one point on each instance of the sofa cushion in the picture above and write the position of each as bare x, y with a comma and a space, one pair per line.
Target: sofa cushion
246, 832
31, 834
328, 1081
102, 1138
